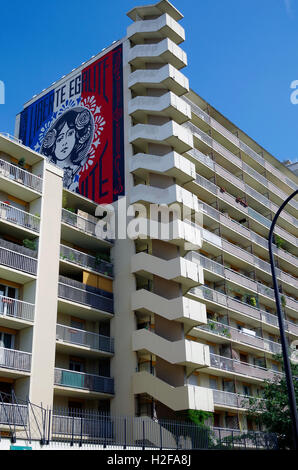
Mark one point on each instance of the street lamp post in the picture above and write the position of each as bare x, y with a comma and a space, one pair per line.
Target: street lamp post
286, 360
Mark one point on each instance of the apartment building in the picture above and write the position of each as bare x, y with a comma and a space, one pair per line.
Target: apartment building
144, 326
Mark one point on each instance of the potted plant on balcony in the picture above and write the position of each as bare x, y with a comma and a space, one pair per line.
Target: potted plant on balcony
279, 242
283, 301
22, 162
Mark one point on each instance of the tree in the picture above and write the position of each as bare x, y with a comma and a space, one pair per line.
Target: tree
272, 412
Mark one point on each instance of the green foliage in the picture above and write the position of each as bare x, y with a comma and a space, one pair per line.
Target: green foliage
279, 242
30, 244
199, 417
273, 412
283, 301
22, 162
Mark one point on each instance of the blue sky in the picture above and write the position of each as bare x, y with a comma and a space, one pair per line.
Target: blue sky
243, 56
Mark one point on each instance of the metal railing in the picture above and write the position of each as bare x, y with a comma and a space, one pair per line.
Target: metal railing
16, 308
84, 338
80, 427
13, 414
87, 261
235, 400
74, 291
80, 380
17, 174
249, 234
237, 142
16, 216
233, 276
227, 331
17, 360
243, 368
69, 427
237, 305
18, 261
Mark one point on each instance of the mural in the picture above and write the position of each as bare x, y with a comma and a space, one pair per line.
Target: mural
79, 127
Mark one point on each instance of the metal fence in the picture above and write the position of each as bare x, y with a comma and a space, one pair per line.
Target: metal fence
16, 308
69, 427
8, 170
16, 216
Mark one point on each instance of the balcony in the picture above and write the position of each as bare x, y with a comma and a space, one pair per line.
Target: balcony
13, 414
242, 368
236, 305
176, 398
86, 261
242, 146
183, 352
248, 234
162, 27
176, 269
170, 133
230, 400
15, 216
78, 230
178, 232
233, 334
12, 177
166, 77
85, 339
16, 309
182, 309
84, 295
171, 164
164, 52
241, 253
18, 258
169, 105
173, 194
82, 381
15, 360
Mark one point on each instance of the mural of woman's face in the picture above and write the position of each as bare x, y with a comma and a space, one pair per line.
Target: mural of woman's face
65, 143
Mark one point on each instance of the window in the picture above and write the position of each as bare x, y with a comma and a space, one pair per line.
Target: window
7, 306
6, 340
77, 365
213, 384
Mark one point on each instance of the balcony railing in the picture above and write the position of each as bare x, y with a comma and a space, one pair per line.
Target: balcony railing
233, 276
16, 360
85, 338
74, 291
18, 261
242, 307
238, 143
235, 400
16, 216
86, 261
234, 334
12, 172
243, 368
16, 308
247, 233
94, 383
13, 414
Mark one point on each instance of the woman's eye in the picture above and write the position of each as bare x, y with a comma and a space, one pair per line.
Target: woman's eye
59, 139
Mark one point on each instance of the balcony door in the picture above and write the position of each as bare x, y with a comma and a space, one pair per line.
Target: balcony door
7, 304
6, 342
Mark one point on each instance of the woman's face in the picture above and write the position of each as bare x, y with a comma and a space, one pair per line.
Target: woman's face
65, 143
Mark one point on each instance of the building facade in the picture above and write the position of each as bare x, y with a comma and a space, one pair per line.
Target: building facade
141, 326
